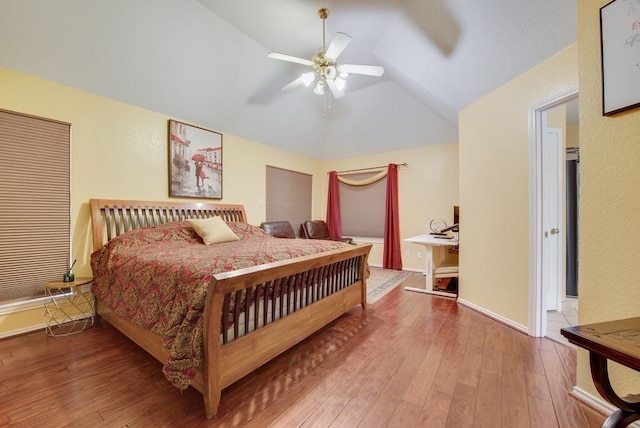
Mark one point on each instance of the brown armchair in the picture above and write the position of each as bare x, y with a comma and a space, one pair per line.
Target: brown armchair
278, 229
317, 229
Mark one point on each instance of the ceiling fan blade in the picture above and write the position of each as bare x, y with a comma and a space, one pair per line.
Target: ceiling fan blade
335, 91
368, 70
283, 57
299, 81
339, 42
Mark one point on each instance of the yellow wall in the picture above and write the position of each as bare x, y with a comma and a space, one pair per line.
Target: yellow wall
120, 151
609, 203
494, 187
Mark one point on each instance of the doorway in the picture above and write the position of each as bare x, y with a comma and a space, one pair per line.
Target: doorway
553, 246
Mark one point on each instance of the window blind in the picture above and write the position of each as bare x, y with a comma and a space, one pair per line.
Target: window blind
362, 207
34, 204
288, 196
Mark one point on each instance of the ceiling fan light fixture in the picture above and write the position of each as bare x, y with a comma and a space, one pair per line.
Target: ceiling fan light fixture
319, 88
340, 83
330, 72
308, 78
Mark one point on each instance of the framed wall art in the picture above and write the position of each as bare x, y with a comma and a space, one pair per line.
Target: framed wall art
620, 45
195, 162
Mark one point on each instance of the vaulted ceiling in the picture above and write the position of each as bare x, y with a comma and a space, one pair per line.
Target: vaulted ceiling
205, 62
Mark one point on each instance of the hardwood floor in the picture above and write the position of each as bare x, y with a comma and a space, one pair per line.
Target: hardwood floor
412, 360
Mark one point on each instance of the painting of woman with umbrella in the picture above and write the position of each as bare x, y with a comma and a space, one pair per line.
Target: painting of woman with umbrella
202, 147
199, 158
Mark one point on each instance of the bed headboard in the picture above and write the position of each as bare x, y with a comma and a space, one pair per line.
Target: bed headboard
112, 217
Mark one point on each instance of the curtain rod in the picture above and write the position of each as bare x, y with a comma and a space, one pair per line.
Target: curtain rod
366, 169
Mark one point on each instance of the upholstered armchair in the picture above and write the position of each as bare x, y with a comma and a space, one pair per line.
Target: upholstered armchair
317, 229
278, 229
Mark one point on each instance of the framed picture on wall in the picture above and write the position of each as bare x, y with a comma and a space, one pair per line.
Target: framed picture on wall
620, 45
195, 161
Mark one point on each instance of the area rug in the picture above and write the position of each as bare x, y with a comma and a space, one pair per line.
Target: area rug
381, 281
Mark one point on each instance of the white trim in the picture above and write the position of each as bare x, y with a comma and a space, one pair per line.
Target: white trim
8, 309
24, 305
42, 326
596, 403
366, 239
537, 312
521, 328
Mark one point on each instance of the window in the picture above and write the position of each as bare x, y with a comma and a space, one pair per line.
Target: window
288, 196
34, 204
362, 207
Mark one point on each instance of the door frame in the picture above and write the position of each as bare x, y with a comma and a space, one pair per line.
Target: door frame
537, 306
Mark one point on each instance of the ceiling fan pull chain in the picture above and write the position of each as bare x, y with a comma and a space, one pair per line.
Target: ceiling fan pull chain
324, 105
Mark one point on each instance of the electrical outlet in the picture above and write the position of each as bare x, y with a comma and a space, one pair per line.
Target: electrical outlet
419, 255
407, 253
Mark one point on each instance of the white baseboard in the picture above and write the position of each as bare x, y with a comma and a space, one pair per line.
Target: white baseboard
496, 317
29, 329
596, 403
37, 304
26, 305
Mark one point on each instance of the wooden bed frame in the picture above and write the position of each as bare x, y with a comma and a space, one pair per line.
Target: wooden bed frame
227, 361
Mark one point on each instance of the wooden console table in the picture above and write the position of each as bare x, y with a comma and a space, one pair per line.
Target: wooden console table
617, 341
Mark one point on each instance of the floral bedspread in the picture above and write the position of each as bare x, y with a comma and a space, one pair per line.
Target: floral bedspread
158, 277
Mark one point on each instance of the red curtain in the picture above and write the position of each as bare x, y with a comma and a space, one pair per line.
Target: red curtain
333, 221
391, 257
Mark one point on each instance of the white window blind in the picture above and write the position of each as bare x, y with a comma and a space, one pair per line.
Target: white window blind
362, 207
288, 196
34, 204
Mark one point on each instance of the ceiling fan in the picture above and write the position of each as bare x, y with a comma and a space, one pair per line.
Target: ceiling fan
325, 68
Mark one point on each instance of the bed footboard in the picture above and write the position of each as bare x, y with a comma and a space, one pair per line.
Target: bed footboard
301, 296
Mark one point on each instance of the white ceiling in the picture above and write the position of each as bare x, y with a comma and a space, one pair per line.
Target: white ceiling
204, 61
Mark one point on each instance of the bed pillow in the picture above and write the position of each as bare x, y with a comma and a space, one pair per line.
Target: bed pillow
213, 230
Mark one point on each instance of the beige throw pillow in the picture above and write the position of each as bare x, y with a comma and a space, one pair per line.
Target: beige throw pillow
213, 230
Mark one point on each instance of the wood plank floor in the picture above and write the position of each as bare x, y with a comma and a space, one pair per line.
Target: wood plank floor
413, 360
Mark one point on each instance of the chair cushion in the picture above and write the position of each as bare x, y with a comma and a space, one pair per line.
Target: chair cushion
279, 229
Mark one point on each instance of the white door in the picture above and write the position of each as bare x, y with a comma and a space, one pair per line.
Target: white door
552, 281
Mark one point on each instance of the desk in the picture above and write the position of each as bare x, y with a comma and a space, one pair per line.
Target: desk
430, 241
617, 341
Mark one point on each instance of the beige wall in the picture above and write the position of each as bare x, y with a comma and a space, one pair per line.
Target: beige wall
120, 151
494, 187
609, 271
